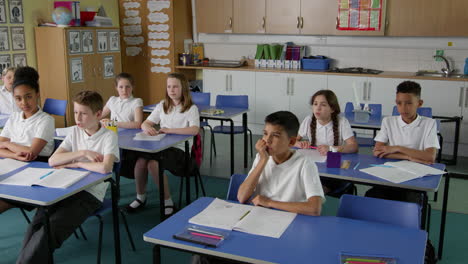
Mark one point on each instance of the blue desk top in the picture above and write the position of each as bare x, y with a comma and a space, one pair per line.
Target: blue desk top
315, 239
126, 141
44, 196
426, 183
229, 112
374, 122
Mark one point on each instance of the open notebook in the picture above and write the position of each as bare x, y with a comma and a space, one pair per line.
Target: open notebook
401, 171
9, 165
145, 137
52, 178
244, 218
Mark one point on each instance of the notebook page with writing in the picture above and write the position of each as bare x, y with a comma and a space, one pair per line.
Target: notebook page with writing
221, 214
394, 175
144, 137
26, 177
9, 165
416, 168
265, 222
62, 178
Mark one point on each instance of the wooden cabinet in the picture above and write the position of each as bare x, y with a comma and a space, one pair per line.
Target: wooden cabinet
427, 18
67, 64
249, 16
283, 17
214, 16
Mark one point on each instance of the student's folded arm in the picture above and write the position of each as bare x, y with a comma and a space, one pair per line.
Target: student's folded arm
138, 117
193, 130
377, 146
5, 153
36, 147
247, 188
313, 206
105, 112
62, 156
427, 155
100, 167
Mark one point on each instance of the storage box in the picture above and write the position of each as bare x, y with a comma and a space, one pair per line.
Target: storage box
315, 64
361, 116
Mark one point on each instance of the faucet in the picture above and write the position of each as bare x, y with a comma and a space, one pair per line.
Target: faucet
446, 70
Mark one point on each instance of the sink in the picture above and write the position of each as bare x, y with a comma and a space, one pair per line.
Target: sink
440, 74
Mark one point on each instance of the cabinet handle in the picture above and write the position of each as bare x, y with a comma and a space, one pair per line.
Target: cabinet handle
369, 87
298, 22
230, 82
227, 82
460, 99
230, 22
336, 23
287, 86
292, 86
302, 22
263, 22
466, 97
364, 92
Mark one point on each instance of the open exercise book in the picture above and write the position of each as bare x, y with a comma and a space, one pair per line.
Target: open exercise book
244, 218
145, 137
9, 165
401, 171
52, 178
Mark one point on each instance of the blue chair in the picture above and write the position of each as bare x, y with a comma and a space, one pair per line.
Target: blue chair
376, 112
199, 98
56, 107
398, 213
234, 183
234, 101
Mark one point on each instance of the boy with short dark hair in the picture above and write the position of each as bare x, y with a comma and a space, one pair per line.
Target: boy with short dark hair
281, 177
89, 146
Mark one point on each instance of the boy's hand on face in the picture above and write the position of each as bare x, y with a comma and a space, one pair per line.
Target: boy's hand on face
93, 156
261, 148
261, 200
302, 144
323, 149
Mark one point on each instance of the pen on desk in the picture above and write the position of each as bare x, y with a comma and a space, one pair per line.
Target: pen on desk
204, 232
312, 147
364, 262
357, 165
380, 165
350, 260
208, 236
244, 215
45, 175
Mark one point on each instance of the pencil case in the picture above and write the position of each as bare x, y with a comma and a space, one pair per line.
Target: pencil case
354, 258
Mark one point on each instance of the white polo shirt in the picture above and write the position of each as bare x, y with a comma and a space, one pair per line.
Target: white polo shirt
294, 180
22, 131
176, 119
324, 133
123, 110
419, 134
7, 102
103, 141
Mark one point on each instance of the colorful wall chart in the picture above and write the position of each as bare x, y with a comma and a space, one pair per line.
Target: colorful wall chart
365, 15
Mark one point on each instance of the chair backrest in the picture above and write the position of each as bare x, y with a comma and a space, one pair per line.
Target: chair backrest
234, 183
423, 111
199, 98
235, 101
376, 109
56, 107
379, 210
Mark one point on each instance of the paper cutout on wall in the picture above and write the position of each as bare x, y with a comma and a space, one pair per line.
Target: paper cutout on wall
132, 13
160, 61
128, 5
157, 44
158, 69
132, 51
158, 27
158, 17
158, 5
132, 20
134, 40
158, 35
363, 15
160, 52
132, 30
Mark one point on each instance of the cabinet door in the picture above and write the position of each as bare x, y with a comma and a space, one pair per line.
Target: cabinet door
249, 16
464, 100
318, 17
303, 86
382, 91
271, 94
442, 96
342, 86
283, 17
243, 83
215, 82
108, 66
214, 16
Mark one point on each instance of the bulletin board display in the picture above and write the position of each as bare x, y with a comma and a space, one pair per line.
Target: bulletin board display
362, 15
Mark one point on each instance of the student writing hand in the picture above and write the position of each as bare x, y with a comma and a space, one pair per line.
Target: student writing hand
302, 144
93, 156
261, 148
323, 149
261, 200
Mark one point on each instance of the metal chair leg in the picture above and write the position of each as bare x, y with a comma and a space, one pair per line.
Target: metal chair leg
196, 184
251, 143
101, 227
201, 183
124, 218
180, 191
25, 216
83, 233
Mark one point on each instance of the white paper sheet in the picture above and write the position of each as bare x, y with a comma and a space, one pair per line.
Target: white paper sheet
160, 61
26, 177
132, 13
134, 40
157, 5
132, 51
132, 30
158, 27
158, 35
158, 17
9, 165
157, 44
157, 69
132, 20
416, 168
145, 137
312, 154
265, 222
160, 52
394, 175
61, 178
128, 5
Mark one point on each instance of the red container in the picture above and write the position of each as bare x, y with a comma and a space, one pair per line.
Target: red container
86, 16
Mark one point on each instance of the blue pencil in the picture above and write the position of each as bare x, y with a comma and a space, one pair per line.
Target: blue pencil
357, 165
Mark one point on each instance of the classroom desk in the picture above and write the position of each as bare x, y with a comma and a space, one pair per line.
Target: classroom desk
422, 185
44, 197
228, 115
307, 239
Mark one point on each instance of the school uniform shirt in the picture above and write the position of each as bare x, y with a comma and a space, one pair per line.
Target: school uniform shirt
419, 134
103, 141
7, 102
176, 119
324, 133
294, 180
22, 131
123, 110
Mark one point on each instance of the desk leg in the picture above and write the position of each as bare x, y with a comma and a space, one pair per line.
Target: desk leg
48, 234
424, 211
244, 124
115, 219
187, 172
156, 254
161, 189
232, 146
443, 217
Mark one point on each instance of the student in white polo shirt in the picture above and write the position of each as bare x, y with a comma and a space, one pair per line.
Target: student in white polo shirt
176, 114
125, 109
29, 134
7, 103
408, 136
326, 129
89, 146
